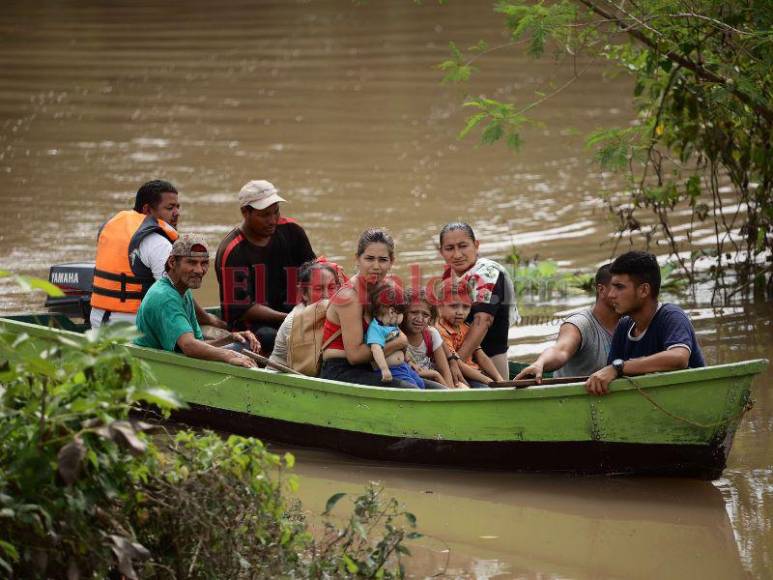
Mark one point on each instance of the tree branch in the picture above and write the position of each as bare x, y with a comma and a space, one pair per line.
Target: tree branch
700, 71
555, 92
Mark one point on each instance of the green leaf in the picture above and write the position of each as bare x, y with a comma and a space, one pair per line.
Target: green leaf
360, 529
472, 122
514, 141
693, 187
164, 398
6, 566
547, 268
351, 566
455, 52
760, 245
332, 501
456, 69
480, 47
20, 339
411, 518
10, 550
32, 283
492, 133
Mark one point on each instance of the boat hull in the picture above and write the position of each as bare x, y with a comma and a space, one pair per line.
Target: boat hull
681, 422
573, 457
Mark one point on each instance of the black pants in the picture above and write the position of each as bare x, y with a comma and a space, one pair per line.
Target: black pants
339, 369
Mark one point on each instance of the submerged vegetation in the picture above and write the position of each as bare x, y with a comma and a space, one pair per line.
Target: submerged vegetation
698, 157
85, 491
543, 279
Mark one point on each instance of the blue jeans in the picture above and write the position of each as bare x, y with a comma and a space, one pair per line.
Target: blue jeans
404, 372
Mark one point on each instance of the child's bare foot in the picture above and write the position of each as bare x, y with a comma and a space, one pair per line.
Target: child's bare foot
386, 377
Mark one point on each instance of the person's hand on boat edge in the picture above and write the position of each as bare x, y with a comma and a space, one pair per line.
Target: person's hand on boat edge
246, 337
239, 360
598, 382
534, 370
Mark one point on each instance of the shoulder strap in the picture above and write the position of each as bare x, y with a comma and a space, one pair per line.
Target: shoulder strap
330, 340
427, 341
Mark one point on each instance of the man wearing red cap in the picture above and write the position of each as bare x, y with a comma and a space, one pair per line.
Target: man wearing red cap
257, 263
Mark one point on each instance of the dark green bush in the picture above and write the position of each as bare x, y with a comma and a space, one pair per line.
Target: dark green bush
86, 493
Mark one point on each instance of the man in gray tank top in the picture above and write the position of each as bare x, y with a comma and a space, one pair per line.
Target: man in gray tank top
583, 340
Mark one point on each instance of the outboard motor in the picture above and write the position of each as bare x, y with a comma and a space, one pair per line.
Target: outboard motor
75, 280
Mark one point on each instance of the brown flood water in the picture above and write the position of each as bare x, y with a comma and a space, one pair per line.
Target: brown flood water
339, 105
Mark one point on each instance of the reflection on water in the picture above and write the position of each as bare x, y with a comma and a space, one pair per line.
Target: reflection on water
529, 526
340, 106
748, 498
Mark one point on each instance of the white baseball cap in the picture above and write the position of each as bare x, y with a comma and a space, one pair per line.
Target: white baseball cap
259, 194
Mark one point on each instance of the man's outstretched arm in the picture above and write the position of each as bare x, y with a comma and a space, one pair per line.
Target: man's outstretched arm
554, 357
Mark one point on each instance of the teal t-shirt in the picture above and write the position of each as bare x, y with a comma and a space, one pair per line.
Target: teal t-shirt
164, 316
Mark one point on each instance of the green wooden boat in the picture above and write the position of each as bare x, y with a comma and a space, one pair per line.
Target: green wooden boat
676, 423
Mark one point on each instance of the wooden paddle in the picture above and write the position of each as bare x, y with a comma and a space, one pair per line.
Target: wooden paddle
523, 383
263, 360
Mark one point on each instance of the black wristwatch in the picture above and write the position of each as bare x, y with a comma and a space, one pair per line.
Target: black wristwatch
617, 364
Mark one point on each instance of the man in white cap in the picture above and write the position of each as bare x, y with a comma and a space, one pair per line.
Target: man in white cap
167, 319
257, 264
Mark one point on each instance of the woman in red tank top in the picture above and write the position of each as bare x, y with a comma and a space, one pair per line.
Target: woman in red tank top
348, 358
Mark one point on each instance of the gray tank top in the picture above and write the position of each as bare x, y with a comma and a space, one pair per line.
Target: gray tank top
592, 354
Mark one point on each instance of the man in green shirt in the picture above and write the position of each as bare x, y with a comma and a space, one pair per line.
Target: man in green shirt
167, 317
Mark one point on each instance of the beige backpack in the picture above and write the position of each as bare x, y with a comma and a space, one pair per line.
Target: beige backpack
304, 347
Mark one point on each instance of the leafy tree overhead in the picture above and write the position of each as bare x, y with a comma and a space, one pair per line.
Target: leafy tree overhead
702, 137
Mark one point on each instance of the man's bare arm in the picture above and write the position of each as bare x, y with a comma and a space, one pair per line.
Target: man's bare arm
195, 348
487, 365
554, 357
481, 322
204, 317
263, 313
674, 359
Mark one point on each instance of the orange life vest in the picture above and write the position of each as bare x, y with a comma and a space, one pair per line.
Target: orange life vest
120, 278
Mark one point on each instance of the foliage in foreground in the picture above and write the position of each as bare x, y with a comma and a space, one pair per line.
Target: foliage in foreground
84, 492
701, 144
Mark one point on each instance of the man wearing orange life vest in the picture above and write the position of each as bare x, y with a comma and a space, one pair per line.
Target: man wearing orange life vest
132, 250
